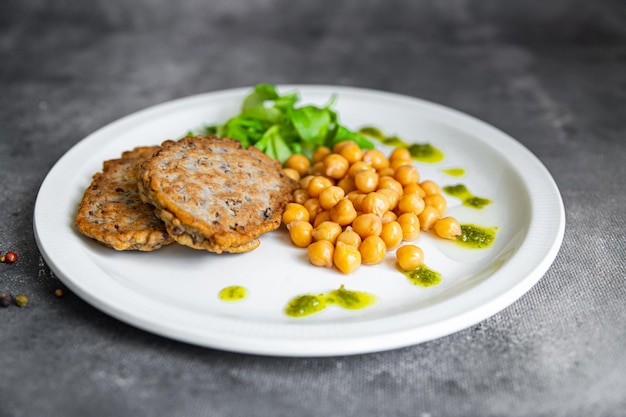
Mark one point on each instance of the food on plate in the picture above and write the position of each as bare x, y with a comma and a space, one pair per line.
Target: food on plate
214, 194
112, 212
276, 125
361, 205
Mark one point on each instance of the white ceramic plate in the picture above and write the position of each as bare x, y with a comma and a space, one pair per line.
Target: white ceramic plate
174, 291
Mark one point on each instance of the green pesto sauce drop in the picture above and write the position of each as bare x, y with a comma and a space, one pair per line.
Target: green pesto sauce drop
423, 276
308, 304
454, 172
233, 293
421, 152
461, 192
476, 237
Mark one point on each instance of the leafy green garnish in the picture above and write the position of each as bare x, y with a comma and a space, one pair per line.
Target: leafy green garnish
272, 122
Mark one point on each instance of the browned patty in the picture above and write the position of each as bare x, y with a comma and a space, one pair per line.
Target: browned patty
112, 212
215, 195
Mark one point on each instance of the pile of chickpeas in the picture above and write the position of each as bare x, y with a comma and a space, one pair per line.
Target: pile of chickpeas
353, 205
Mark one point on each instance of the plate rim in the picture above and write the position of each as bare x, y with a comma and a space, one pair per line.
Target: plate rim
290, 346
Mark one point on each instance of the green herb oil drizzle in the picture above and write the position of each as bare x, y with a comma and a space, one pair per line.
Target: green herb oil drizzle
308, 304
233, 293
476, 237
420, 152
423, 276
461, 192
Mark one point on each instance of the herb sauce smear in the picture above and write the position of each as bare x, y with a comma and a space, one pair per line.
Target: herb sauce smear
420, 152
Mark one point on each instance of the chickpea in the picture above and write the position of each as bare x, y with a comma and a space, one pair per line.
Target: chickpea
437, 201
300, 233
317, 185
428, 217
347, 184
375, 158
392, 197
389, 216
298, 162
335, 166
397, 163
388, 181
304, 181
387, 171
414, 188
346, 258
357, 199
327, 230
318, 169
410, 226
376, 203
366, 181
372, 250
391, 234
448, 228
321, 253
300, 196
337, 147
407, 174
352, 152
313, 207
321, 153
411, 203
400, 154
323, 216
430, 187
367, 224
295, 212
349, 237
409, 257
359, 166
343, 212
292, 173
331, 196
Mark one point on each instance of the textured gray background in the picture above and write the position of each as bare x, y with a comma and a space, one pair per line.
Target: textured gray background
550, 73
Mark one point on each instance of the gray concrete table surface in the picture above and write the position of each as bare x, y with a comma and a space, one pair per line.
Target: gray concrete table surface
550, 73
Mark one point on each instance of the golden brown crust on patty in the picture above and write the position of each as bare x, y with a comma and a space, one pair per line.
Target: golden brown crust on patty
112, 212
215, 195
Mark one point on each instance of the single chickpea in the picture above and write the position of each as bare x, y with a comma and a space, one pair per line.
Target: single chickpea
410, 226
409, 257
448, 228
346, 258
367, 224
387, 171
414, 188
336, 166
430, 187
292, 173
428, 217
317, 169
372, 250
331, 196
397, 163
392, 196
375, 202
411, 203
389, 216
366, 181
317, 185
407, 174
343, 212
300, 233
327, 230
299, 163
337, 147
321, 253
313, 207
321, 153
300, 196
400, 154
304, 181
349, 237
352, 152
323, 216
357, 199
437, 201
387, 181
295, 212
391, 234
375, 158
359, 166
347, 184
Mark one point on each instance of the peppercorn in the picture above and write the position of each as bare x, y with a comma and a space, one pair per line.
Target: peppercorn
5, 299
10, 257
21, 300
